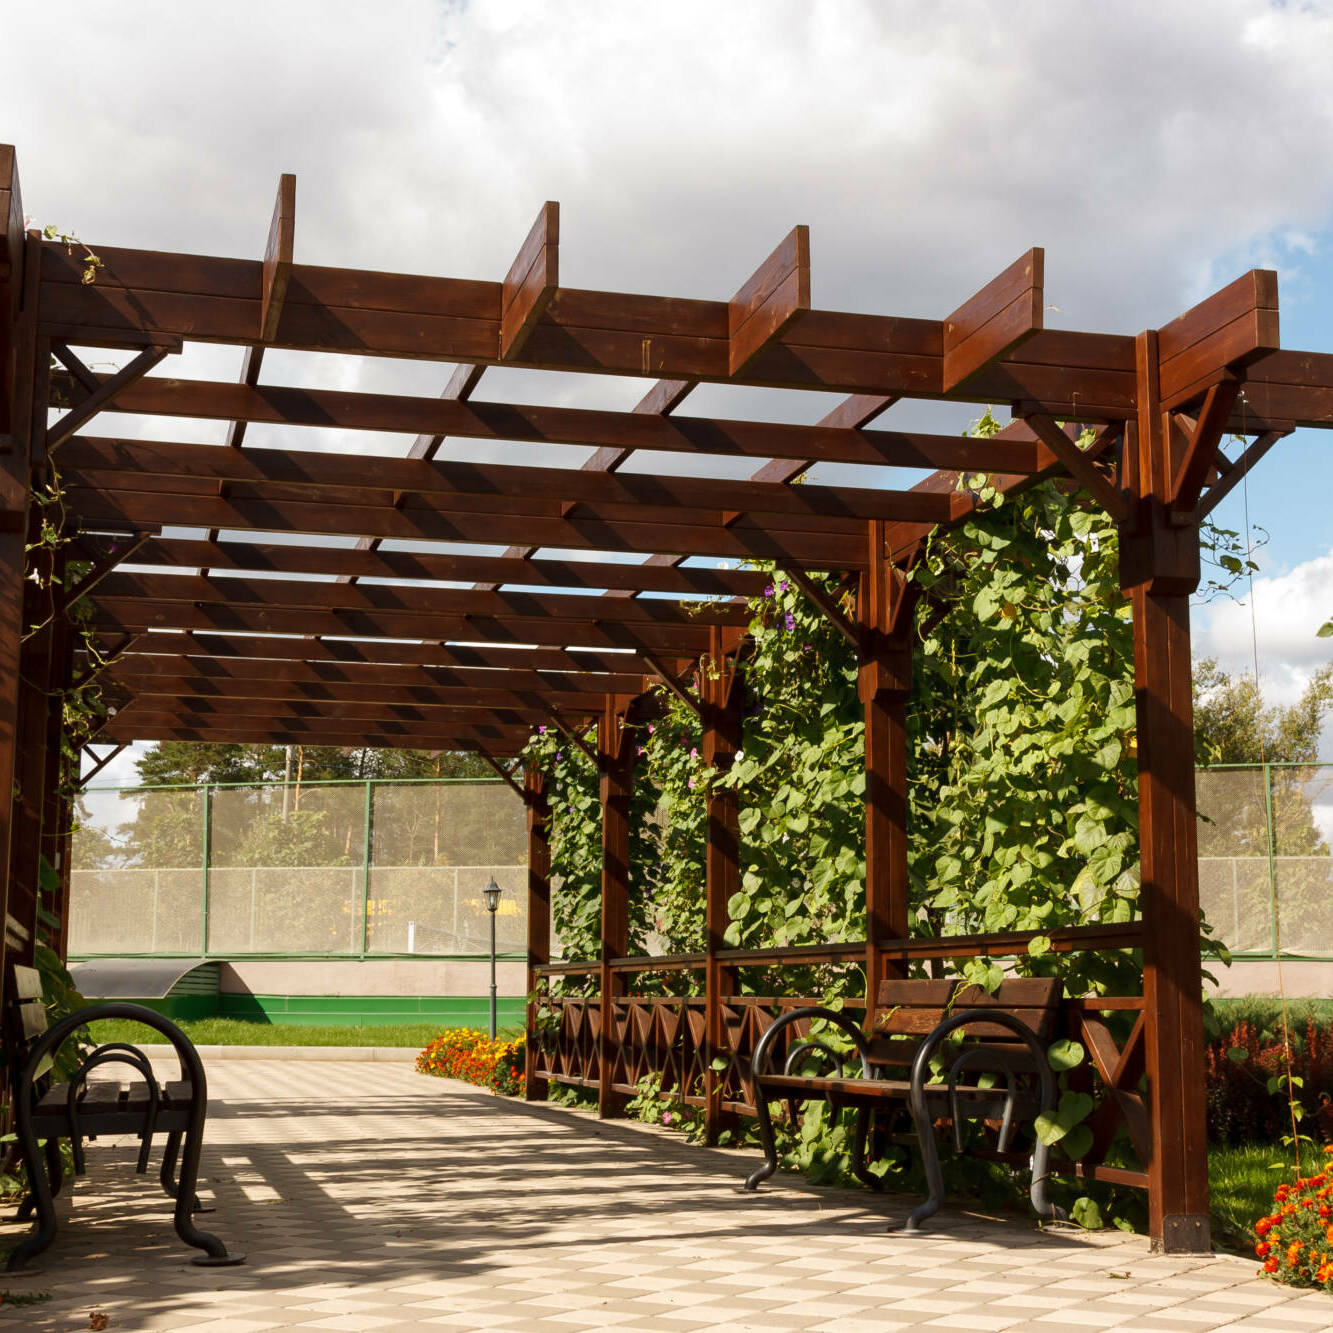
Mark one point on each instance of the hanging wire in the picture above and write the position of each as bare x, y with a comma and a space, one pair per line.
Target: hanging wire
1263, 762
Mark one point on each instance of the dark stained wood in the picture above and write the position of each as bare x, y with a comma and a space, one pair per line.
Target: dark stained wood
531, 282
432, 713
886, 613
1187, 484
131, 614
744, 539
1230, 329
519, 423
1238, 471
258, 648
397, 599
122, 463
615, 755
1002, 316
688, 582
1078, 465
1160, 569
770, 301
106, 393
539, 918
295, 731
721, 694
425, 682
277, 268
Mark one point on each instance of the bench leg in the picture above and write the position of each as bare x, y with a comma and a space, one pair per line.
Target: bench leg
864, 1117
168, 1173
930, 1161
37, 1164
1041, 1179
770, 1162
215, 1252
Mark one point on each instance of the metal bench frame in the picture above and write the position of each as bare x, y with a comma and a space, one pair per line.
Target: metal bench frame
963, 1102
41, 1127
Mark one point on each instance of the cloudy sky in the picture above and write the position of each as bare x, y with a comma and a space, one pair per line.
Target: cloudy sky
1155, 150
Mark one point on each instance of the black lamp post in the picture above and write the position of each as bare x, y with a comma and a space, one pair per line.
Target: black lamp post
492, 895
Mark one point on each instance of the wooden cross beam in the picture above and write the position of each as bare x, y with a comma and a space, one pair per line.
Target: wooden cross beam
531, 282
349, 649
770, 302
251, 557
129, 682
1000, 318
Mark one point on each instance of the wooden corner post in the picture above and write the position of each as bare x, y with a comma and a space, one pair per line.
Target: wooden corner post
615, 761
720, 692
19, 269
1159, 570
886, 605
539, 918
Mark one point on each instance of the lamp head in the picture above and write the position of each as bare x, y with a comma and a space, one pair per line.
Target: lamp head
492, 895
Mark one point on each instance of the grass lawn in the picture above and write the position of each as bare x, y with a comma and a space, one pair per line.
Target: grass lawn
239, 1032
1241, 1183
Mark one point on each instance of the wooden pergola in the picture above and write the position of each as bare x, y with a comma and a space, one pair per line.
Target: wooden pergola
222, 635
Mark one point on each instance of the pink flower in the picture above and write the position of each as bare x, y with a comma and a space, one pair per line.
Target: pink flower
694, 752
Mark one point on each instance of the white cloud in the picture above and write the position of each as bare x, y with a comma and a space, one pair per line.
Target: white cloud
926, 145
1288, 609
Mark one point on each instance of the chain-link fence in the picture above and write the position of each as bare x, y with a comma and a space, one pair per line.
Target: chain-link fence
327, 869
1266, 858
362, 869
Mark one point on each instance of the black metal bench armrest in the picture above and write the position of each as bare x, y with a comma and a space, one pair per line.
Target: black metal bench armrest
759, 1060
922, 1118
191, 1067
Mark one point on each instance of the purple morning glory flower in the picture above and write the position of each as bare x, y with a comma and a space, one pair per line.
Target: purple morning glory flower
768, 590
791, 621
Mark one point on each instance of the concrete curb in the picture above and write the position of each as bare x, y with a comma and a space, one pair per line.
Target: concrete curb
378, 1053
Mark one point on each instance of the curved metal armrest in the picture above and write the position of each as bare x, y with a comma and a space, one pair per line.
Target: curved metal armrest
921, 1064
759, 1060
191, 1067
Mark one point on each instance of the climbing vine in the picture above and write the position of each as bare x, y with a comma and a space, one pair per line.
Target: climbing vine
1022, 775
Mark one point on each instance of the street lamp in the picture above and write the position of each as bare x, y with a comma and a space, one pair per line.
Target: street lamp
492, 895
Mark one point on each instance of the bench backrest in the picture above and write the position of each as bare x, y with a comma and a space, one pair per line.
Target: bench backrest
28, 1018
909, 1010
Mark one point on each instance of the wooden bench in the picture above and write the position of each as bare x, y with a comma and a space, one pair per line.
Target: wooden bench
46, 1112
1005, 1035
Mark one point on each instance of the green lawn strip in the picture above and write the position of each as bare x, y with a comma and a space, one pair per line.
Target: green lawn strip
240, 1032
1241, 1182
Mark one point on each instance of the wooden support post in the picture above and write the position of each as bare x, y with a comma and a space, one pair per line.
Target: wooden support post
720, 691
1159, 570
615, 761
19, 269
887, 602
539, 917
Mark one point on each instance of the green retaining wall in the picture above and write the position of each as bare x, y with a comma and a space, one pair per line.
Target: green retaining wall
471, 1011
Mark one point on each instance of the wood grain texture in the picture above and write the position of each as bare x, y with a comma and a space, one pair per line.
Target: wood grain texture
770, 301
531, 282
258, 557
1002, 316
277, 270
1227, 331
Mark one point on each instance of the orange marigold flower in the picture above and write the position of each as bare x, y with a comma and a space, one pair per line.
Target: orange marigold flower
1262, 1249
1263, 1226
1294, 1252
1270, 1264
1328, 1235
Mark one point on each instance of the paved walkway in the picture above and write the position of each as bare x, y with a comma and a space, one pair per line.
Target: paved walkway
369, 1197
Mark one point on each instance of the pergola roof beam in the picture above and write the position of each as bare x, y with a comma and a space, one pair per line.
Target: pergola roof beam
689, 581
125, 464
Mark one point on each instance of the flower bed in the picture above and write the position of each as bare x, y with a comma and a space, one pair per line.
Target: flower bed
471, 1056
1246, 1069
1295, 1241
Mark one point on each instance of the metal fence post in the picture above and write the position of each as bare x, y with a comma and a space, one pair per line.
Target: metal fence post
1272, 859
208, 856
365, 869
